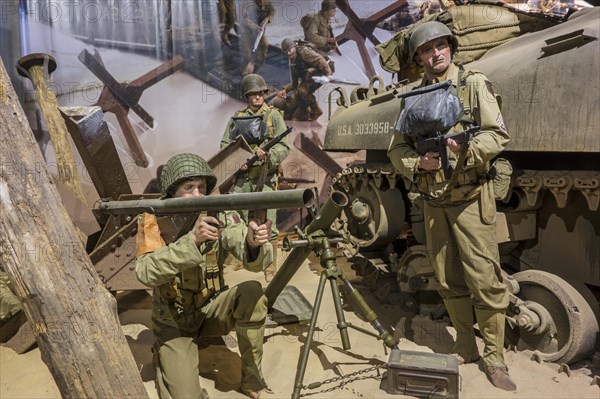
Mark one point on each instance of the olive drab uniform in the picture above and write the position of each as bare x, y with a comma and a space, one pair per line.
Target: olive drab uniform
190, 299
306, 64
226, 19
254, 15
459, 220
272, 125
317, 29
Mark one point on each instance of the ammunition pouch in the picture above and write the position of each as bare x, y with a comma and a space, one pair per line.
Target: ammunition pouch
501, 178
185, 299
252, 128
214, 284
487, 203
254, 172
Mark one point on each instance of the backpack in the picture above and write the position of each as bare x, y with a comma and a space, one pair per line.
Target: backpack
306, 20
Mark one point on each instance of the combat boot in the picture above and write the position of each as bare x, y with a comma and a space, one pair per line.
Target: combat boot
499, 377
491, 326
250, 338
225, 39
315, 112
461, 314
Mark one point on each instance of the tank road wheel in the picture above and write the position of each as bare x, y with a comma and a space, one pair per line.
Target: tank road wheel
411, 266
418, 284
567, 326
374, 217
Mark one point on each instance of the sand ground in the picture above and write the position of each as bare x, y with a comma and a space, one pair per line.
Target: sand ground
26, 376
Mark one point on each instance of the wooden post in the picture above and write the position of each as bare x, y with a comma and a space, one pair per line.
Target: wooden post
38, 67
73, 316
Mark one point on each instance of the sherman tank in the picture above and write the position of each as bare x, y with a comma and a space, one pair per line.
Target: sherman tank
548, 227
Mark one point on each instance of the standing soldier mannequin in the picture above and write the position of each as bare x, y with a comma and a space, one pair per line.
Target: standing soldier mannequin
255, 17
258, 123
226, 19
190, 298
317, 28
305, 63
460, 211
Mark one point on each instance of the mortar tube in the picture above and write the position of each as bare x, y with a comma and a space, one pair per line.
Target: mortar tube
331, 209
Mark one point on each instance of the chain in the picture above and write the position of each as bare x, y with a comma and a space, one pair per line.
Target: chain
345, 380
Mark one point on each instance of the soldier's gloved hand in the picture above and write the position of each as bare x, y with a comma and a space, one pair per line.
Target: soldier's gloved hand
430, 161
257, 235
205, 229
331, 40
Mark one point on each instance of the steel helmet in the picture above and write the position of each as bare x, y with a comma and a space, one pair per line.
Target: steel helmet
253, 83
183, 166
426, 32
327, 5
287, 44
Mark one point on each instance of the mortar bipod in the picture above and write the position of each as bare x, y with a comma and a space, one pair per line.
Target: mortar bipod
321, 244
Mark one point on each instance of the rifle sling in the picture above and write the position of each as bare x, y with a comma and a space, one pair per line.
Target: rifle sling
262, 178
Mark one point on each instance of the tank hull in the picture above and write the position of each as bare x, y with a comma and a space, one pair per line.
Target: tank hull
548, 228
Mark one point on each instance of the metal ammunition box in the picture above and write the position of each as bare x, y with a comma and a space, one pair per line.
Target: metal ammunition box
422, 374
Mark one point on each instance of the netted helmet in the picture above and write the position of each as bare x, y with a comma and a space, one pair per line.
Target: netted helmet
287, 44
327, 5
185, 166
253, 83
426, 32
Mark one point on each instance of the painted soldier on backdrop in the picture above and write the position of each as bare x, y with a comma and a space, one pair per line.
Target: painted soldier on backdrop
226, 19
317, 28
255, 15
297, 99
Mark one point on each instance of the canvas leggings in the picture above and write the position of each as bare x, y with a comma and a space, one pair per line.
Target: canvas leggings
243, 308
464, 254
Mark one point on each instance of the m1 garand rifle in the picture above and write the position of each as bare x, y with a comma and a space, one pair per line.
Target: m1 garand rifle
335, 46
228, 183
438, 143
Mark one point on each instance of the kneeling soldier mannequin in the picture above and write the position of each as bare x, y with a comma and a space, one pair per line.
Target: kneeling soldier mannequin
190, 299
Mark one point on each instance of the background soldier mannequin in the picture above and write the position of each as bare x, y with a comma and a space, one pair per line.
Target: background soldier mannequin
317, 28
270, 124
255, 16
459, 220
305, 62
190, 298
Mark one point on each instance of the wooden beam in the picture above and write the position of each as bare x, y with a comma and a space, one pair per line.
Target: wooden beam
73, 316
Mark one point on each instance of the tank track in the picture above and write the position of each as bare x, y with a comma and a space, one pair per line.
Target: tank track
379, 268
532, 182
382, 175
